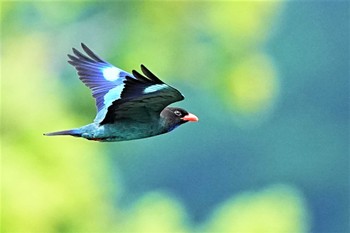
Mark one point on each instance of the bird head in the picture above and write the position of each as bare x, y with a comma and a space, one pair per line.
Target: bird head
174, 117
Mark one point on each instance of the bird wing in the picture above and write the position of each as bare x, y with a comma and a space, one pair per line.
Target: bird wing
105, 80
142, 99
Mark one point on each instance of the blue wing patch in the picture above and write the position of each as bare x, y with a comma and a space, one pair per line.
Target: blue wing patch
105, 80
116, 90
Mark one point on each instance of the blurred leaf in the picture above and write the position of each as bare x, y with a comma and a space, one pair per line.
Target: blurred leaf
158, 213
277, 209
254, 88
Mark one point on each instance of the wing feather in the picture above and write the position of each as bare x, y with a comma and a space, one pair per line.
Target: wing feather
119, 94
138, 104
100, 76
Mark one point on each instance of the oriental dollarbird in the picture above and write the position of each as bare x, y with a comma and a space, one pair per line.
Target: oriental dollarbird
129, 105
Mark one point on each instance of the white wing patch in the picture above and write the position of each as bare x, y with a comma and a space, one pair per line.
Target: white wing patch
154, 88
111, 73
109, 98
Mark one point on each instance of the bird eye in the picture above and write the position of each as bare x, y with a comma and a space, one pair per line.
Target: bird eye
177, 113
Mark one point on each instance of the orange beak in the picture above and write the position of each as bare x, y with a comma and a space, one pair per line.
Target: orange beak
190, 117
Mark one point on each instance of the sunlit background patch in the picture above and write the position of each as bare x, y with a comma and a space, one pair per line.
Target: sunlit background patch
254, 88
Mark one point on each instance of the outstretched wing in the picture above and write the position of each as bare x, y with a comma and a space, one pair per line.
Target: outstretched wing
105, 80
142, 99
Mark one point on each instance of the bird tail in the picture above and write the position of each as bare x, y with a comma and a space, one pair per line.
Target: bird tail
71, 132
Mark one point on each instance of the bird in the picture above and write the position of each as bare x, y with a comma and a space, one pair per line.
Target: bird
129, 105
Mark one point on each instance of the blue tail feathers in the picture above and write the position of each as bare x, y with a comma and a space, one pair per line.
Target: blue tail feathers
71, 132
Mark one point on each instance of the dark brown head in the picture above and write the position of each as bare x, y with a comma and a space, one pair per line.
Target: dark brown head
174, 117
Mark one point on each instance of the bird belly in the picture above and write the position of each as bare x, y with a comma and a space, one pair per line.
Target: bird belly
120, 132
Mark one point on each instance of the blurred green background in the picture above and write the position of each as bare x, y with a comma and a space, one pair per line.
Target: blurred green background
269, 81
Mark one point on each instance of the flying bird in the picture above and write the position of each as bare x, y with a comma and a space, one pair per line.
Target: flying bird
129, 105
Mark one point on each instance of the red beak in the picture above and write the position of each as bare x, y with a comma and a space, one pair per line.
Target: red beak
190, 117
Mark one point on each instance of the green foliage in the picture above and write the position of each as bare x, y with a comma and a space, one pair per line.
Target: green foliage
46, 186
68, 185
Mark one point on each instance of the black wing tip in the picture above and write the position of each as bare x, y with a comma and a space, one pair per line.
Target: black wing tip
71, 59
71, 62
143, 67
135, 73
150, 75
84, 46
75, 55
139, 77
89, 56
76, 52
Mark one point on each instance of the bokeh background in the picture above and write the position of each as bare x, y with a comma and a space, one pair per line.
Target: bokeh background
269, 81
